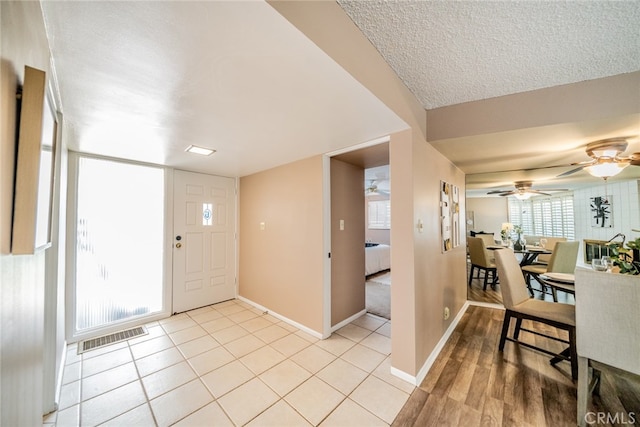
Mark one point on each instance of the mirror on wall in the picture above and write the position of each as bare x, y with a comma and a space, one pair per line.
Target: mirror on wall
567, 214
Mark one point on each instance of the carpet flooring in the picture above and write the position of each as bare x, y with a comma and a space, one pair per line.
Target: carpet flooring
378, 295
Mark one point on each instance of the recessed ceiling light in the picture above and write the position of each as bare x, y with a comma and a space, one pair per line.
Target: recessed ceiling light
199, 150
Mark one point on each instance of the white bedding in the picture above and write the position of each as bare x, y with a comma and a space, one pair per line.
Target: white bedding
377, 258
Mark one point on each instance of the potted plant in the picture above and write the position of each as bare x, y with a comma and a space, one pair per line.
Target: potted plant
627, 258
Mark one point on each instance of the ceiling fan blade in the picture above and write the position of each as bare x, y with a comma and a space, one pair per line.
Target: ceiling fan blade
556, 189
635, 159
498, 191
538, 192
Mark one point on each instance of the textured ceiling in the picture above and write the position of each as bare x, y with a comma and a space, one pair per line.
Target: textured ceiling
450, 52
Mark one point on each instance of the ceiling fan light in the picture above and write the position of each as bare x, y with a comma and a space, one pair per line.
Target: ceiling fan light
606, 170
522, 196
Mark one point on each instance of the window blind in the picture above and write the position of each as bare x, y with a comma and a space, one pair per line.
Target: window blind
544, 216
380, 214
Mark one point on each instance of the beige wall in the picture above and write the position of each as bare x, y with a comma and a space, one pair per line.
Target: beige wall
589, 100
421, 288
440, 277
347, 245
489, 213
22, 278
281, 267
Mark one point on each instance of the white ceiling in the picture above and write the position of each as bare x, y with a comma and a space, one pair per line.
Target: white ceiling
143, 80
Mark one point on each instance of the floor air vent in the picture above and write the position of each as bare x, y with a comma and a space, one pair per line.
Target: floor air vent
105, 340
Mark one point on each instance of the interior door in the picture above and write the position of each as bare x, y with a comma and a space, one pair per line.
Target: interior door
204, 255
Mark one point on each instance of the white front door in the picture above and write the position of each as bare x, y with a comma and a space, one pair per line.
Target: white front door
204, 255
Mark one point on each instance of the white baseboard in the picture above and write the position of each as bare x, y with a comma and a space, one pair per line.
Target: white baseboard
345, 322
422, 373
486, 304
404, 376
303, 328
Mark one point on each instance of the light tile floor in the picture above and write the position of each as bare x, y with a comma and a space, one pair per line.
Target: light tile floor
229, 364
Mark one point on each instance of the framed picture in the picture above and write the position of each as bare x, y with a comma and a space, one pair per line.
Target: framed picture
449, 215
35, 160
601, 212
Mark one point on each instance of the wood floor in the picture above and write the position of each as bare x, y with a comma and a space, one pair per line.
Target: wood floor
471, 383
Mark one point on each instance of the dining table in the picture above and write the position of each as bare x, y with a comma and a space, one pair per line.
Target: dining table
528, 255
564, 282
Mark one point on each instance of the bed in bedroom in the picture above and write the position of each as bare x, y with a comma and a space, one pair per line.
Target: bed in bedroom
377, 258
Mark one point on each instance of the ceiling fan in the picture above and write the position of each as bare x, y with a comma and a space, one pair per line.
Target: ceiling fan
373, 190
606, 160
523, 190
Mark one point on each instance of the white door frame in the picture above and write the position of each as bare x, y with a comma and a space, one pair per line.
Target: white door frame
326, 195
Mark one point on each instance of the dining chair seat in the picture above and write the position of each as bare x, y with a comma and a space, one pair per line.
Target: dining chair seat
562, 313
520, 306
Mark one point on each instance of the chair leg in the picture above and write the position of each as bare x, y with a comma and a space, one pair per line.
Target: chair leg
505, 329
573, 353
516, 332
583, 387
555, 294
471, 274
527, 279
486, 280
596, 380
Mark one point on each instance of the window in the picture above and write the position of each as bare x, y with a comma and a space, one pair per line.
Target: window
380, 214
119, 243
544, 216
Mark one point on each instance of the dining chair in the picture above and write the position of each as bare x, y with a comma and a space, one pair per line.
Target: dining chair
563, 260
489, 239
520, 306
551, 244
480, 259
606, 325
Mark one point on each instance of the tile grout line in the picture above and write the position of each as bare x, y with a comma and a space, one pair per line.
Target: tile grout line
251, 333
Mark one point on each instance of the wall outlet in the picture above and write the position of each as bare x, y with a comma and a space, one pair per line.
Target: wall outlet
447, 313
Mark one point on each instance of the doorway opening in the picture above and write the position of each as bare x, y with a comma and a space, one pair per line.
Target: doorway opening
119, 234
378, 241
348, 245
